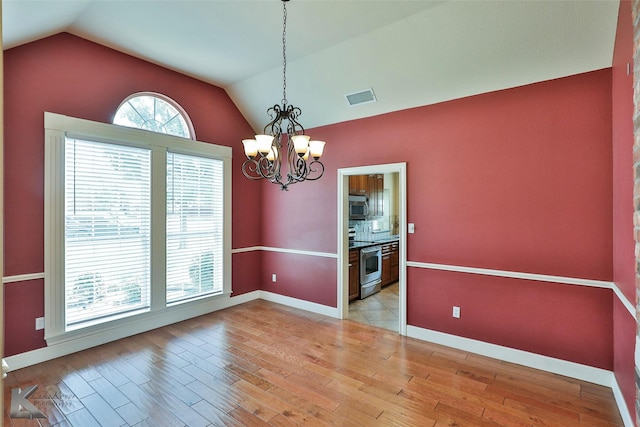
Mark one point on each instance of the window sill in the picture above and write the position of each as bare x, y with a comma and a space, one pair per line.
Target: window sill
145, 320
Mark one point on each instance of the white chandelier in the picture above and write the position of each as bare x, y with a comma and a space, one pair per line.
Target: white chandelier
264, 156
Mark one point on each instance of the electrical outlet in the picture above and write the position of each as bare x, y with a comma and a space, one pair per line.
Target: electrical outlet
456, 312
39, 323
411, 228
273, 277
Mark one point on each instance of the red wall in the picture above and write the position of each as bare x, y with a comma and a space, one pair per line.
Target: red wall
301, 276
520, 314
496, 180
623, 240
516, 180
68, 75
622, 117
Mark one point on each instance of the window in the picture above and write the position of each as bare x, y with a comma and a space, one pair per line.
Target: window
194, 225
107, 230
154, 112
137, 225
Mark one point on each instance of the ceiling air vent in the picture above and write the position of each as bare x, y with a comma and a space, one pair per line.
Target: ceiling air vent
362, 97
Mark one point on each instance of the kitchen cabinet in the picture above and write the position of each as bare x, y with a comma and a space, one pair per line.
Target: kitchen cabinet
375, 194
386, 264
395, 262
380, 194
358, 185
390, 263
354, 274
371, 186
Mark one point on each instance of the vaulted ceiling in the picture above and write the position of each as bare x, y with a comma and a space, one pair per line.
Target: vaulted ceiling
411, 52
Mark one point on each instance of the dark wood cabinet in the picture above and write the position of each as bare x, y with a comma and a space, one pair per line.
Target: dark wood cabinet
390, 263
372, 195
358, 185
395, 262
386, 264
371, 186
354, 274
378, 190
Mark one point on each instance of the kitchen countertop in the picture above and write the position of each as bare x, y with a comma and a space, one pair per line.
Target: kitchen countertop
358, 244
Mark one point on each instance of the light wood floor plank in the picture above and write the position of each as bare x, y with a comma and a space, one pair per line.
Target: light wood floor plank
264, 364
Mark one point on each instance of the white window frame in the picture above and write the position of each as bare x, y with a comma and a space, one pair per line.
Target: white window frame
162, 98
57, 128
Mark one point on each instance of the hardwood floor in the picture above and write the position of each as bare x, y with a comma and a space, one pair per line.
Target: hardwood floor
264, 364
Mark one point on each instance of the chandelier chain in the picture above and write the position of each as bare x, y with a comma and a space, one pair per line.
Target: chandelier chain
284, 52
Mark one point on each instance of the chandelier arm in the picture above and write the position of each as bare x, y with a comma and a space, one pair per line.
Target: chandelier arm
294, 127
277, 114
296, 165
297, 168
250, 169
268, 168
312, 170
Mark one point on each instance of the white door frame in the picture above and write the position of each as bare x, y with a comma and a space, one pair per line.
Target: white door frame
343, 246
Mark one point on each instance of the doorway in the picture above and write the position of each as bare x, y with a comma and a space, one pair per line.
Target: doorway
398, 172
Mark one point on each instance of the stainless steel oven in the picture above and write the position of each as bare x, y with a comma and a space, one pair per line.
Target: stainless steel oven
370, 270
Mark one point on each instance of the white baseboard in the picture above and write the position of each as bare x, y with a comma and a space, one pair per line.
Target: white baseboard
301, 304
558, 366
537, 361
622, 404
53, 351
532, 360
520, 357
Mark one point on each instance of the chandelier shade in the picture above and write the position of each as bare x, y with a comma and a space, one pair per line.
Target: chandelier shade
265, 153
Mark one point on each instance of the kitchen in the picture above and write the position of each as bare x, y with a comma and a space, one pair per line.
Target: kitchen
373, 256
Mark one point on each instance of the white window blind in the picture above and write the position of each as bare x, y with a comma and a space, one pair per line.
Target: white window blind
107, 234
194, 227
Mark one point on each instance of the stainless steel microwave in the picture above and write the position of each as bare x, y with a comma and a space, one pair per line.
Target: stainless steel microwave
358, 207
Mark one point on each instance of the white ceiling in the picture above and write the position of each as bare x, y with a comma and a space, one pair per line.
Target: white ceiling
411, 52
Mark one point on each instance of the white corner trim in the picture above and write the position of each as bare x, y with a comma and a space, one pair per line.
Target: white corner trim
622, 404
531, 276
246, 249
520, 357
301, 304
286, 251
623, 299
637, 352
22, 277
513, 274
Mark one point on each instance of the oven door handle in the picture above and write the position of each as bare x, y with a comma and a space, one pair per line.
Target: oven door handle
370, 249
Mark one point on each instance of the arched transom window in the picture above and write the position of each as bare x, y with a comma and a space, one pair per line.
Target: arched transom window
154, 112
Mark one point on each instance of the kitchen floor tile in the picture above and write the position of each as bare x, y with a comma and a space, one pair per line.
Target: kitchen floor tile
378, 315
357, 316
380, 309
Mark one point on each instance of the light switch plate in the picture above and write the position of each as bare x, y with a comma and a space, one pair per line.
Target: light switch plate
456, 312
